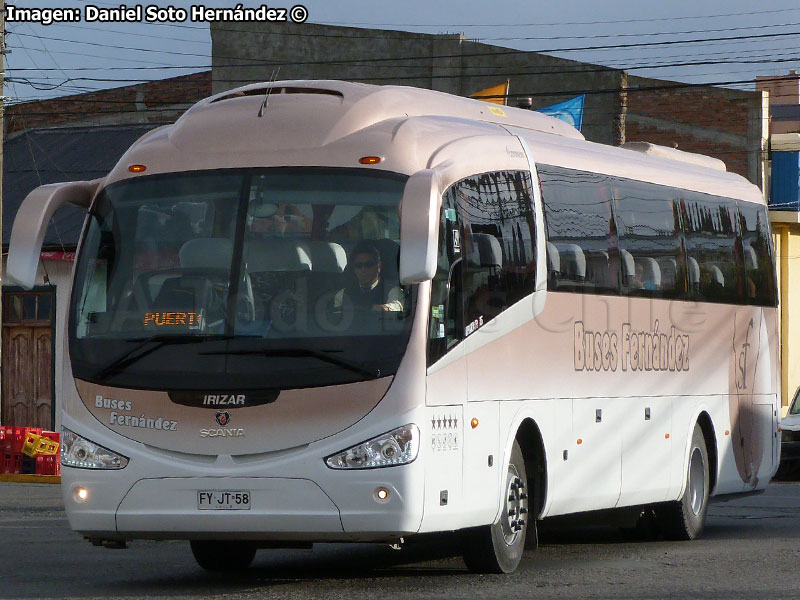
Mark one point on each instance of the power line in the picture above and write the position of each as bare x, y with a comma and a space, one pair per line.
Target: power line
382, 35
427, 76
443, 56
501, 69
559, 23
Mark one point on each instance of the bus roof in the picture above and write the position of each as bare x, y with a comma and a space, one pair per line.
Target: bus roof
333, 123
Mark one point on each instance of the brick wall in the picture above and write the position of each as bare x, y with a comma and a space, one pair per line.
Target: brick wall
154, 102
723, 123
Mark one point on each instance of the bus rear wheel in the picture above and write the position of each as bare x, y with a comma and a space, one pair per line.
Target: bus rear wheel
498, 548
685, 518
223, 555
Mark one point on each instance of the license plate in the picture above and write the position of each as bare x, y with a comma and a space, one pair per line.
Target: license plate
223, 500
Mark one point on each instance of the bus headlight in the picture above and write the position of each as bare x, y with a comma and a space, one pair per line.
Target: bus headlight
83, 454
397, 447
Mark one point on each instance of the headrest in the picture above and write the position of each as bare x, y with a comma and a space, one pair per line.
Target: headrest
553, 259
214, 253
486, 251
694, 270
750, 258
651, 273
627, 263
572, 255
276, 254
717, 276
328, 257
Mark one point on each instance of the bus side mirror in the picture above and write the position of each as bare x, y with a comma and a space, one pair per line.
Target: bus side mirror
31, 221
418, 223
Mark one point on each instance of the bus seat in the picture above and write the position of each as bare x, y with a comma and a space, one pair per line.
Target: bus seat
573, 262
553, 261
628, 269
216, 253
485, 251
669, 273
327, 257
597, 270
329, 261
213, 253
750, 258
276, 255
390, 259
716, 276
651, 273
191, 294
693, 270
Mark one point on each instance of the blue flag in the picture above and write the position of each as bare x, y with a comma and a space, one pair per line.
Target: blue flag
570, 111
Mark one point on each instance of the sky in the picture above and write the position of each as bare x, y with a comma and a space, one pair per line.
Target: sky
712, 42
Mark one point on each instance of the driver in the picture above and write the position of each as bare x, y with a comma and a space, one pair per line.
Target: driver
368, 290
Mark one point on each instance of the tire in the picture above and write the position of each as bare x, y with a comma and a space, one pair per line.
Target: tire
685, 518
498, 548
223, 555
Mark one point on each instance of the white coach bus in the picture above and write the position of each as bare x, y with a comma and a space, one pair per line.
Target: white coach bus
317, 311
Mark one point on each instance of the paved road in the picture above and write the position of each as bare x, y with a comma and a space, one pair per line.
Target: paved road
751, 550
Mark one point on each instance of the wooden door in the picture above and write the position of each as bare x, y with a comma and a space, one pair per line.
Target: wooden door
27, 359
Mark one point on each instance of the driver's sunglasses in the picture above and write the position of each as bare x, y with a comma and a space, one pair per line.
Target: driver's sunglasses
364, 265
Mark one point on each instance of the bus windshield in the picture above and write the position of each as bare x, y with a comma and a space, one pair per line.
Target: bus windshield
241, 279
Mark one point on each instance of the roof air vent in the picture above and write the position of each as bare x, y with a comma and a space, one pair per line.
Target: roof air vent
277, 90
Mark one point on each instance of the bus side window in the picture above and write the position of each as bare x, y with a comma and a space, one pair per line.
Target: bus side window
648, 228
445, 318
582, 253
499, 266
757, 256
710, 233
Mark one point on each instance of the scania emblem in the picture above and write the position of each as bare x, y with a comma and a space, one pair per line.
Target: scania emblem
223, 417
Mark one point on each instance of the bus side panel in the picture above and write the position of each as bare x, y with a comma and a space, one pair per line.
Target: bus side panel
442, 444
483, 462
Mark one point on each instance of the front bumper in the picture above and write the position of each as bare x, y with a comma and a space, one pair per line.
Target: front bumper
302, 501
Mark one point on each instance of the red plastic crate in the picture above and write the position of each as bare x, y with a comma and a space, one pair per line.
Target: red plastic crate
18, 437
12, 462
47, 465
9, 435
52, 435
2, 439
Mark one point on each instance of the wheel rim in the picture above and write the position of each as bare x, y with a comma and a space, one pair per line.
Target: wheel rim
516, 506
697, 481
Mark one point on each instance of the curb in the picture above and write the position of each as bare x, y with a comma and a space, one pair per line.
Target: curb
13, 478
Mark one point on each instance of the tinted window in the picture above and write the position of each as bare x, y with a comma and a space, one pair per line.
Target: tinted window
487, 258
498, 232
241, 279
654, 240
710, 229
759, 269
445, 323
651, 259
581, 248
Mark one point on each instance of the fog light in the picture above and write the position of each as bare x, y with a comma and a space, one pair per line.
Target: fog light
381, 494
81, 494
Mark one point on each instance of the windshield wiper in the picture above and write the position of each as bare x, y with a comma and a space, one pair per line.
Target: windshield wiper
134, 355
323, 355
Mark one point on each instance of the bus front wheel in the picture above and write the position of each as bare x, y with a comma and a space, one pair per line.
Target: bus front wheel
498, 548
223, 555
685, 518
